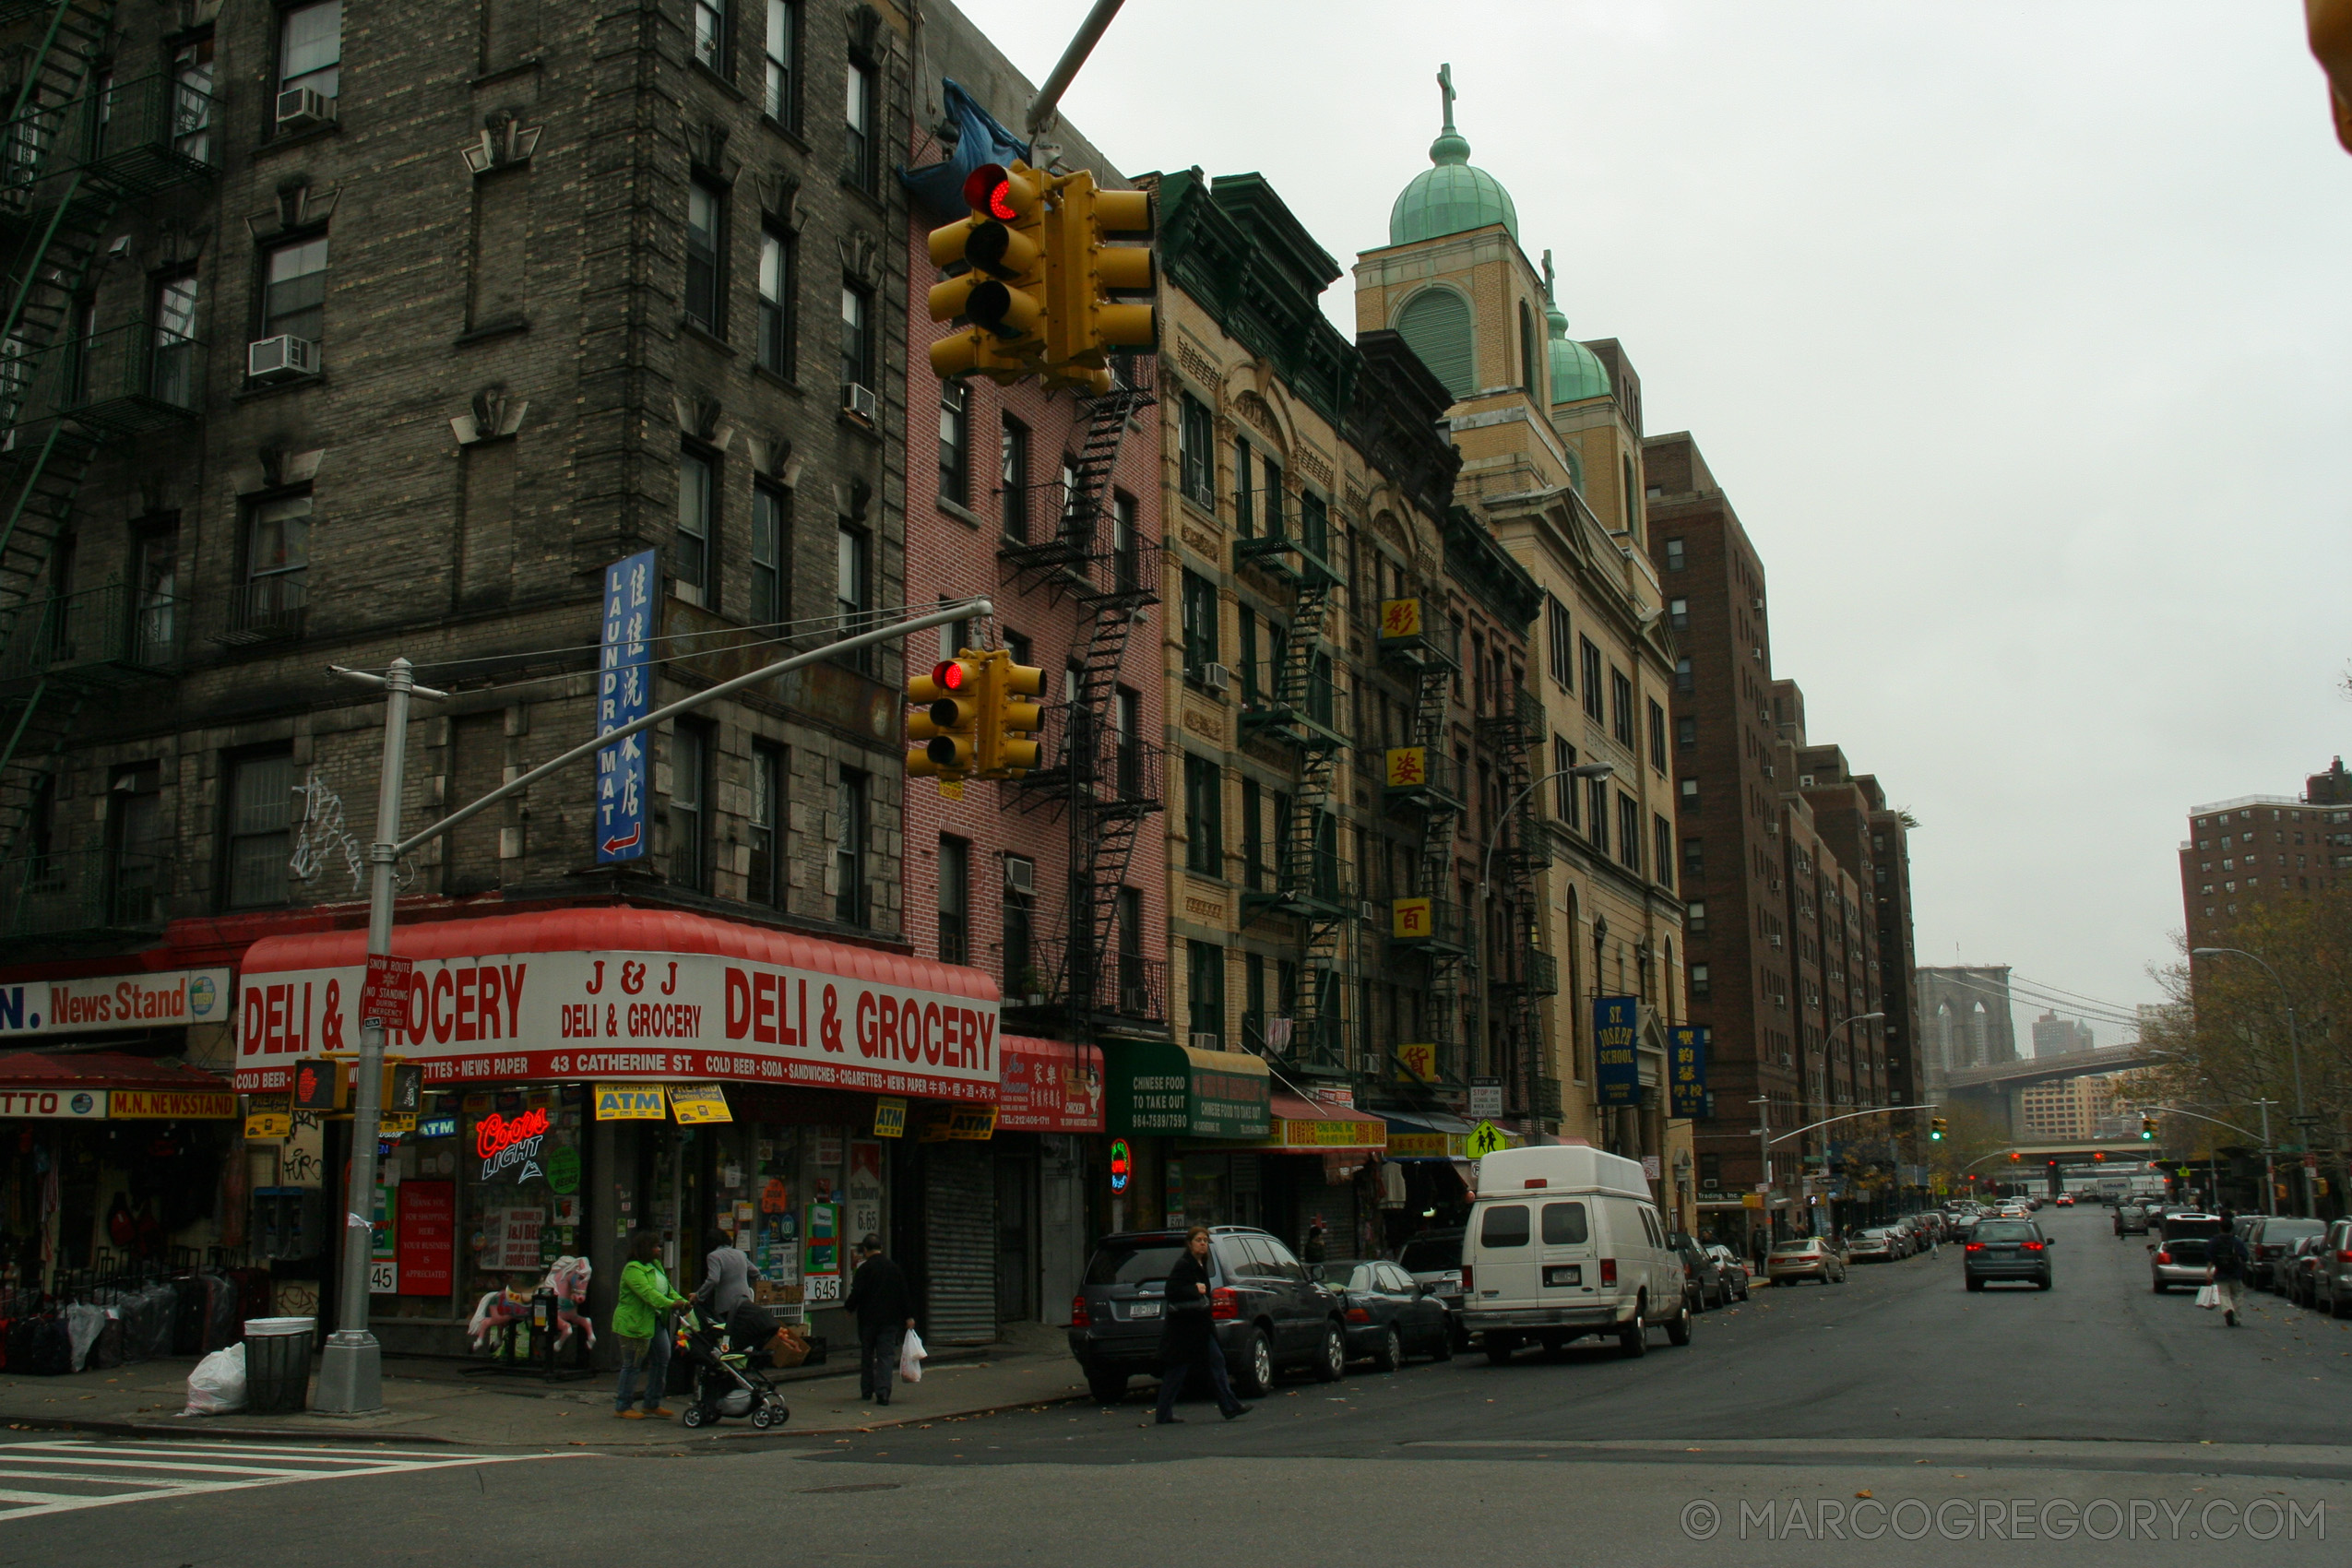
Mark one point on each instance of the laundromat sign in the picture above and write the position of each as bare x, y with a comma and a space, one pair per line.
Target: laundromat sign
166, 998
623, 1015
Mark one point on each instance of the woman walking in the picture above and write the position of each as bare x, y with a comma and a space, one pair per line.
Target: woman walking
1188, 1337
643, 1330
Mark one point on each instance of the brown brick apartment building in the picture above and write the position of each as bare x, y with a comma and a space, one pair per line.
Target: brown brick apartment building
2263, 847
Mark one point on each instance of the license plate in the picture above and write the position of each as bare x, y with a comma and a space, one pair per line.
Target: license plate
1563, 1274
1144, 1309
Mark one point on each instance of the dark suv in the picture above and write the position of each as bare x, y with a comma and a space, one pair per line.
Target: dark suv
1269, 1315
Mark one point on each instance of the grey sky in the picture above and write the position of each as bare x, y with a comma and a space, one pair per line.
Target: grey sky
2015, 332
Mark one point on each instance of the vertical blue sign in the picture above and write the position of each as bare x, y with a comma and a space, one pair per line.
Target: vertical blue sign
623, 695
1686, 1068
1617, 1027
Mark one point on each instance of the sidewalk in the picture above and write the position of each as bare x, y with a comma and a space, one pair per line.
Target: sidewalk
435, 1402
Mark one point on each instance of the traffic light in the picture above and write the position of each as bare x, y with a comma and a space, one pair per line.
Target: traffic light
1008, 720
2147, 1129
2098, 1157
1935, 1129
996, 260
948, 729
2014, 1157
1083, 269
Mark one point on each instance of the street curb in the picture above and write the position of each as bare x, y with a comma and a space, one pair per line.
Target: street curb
198, 1435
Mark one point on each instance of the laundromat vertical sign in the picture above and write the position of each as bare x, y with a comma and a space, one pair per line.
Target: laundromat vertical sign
623, 695
1617, 1027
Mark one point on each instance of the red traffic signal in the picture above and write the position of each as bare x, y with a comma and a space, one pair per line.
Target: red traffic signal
948, 673
988, 189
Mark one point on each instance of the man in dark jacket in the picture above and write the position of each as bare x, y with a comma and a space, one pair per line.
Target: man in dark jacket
1188, 1334
884, 1309
2226, 1254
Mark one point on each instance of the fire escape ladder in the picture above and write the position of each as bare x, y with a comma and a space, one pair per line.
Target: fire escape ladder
1515, 735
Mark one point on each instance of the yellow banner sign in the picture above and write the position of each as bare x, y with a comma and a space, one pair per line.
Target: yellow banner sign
1434, 1145
631, 1102
172, 1105
1408, 918
889, 1116
694, 1104
269, 1118
1408, 767
1329, 1134
976, 1122
1400, 617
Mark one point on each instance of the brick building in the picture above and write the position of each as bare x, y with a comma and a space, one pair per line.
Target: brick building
2262, 846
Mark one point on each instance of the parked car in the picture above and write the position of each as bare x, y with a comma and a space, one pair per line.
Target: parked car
1808, 1257
1733, 1268
1962, 1223
1434, 1258
2332, 1273
2065, 1200
2267, 1244
2008, 1249
2179, 1257
1564, 1242
1703, 1278
1269, 1316
2298, 1271
2131, 1219
1387, 1316
1875, 1245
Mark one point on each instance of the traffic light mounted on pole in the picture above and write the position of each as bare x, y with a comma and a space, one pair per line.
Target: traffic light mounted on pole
2147, 1129
996, 258
1084, 325
1935, 1129
1008, 720
946, 731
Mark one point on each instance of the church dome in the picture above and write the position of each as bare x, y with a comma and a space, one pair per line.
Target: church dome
1577, 372
1450, 198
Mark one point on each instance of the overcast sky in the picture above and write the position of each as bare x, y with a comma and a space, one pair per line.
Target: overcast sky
2015, 332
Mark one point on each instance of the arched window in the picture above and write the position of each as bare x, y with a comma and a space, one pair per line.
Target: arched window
1631, 515
1530, 355
1435, 324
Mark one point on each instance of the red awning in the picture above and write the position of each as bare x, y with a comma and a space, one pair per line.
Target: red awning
103, 1070
1310, 1126
1050, 1086
619, 993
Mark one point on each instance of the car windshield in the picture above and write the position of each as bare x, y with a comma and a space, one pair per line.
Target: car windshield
2178, 1228
2006, 1230
2279, 1230
1870, 1236
1133, 1263
1431, 1254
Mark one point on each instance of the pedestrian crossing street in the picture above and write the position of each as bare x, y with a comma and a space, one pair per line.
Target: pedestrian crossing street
68, 1474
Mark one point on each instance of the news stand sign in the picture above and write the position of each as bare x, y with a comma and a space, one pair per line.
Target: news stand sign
623, 695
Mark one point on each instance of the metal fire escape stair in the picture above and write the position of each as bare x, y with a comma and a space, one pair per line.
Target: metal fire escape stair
1513, 735
1435, 661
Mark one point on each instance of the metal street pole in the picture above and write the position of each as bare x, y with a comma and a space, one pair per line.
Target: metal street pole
350, 1375
2294, 1055
2270, 1184
1763, 1149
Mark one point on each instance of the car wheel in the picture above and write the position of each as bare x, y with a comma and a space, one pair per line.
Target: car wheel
1108, 1387
1634, 1339
1678, 1331
1390, 1354
1257, 1371
1332, 1364
1975, 1284
1500, 1348
2044, 1283
2335, 1304
1442, 1349
2159, 1286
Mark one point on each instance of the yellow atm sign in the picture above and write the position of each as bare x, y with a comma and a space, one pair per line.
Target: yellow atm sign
631, 1102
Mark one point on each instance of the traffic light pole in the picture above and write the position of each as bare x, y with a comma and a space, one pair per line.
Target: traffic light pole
350, 1375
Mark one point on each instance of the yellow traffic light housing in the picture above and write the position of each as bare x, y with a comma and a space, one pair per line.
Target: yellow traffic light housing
1084, 325
947, 731
1935, 1129
2147, 1129
1009, 721
996, 258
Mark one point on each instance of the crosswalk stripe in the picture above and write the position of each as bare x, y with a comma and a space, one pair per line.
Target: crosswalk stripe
211, 1445
96, 1465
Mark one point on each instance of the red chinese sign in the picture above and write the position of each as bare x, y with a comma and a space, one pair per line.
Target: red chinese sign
1049, 1085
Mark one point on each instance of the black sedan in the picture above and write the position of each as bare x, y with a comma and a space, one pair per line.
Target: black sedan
2007, 1249
1388, 1316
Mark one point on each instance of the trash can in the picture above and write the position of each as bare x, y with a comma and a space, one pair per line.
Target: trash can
277, 1363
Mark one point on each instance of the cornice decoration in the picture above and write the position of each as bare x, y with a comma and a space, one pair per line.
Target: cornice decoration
299, 205
705, 420
493, 416
865, 33
503, 141
771, 457
861, 258
176, 243
707, 148
779, 201
275, 468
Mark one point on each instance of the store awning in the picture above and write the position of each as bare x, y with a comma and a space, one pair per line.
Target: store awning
621, 993
1310, 1127
1428, 1135
1159, 1087
99, 1085
1049, 1085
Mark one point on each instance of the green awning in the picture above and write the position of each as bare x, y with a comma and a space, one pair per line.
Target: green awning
1157, 1088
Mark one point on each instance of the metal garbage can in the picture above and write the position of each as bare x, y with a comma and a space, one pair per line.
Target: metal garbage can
277, 1363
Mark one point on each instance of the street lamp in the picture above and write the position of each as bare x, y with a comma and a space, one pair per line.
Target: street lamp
1826, 1040
2294, 1051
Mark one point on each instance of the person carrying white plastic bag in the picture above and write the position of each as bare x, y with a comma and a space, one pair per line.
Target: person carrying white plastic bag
217, 1387
885, 1307
910, 1358
2208, 1297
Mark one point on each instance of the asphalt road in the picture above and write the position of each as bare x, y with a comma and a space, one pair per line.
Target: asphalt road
1896, 1419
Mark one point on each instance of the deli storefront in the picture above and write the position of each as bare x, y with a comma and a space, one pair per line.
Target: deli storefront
584, 1073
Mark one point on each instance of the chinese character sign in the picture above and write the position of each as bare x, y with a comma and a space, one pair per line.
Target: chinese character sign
623, 695
1408, 767
1417, 1062
1616, 1034
1686, 1069
1400, 617
1411, 919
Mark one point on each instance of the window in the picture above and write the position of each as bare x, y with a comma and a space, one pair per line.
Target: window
955, 900
1564, 1225
1247, 624
1657, 737
1702, 984
1682, 680
1674, 557
1205, 987
955, 444
277, 562
1197, 460
767, 556
173, 377
858, 168
293, 294
1690, 792
697, 526
1244, 496
1678, 614
1563, 657
1505, 1225
1020, 979
782, 99
310, 48
1012, 476
1629, 832
1564, 788
261, 802
136, 844
710, 34
774, 349
690, 750
1662, 838
1531, 356
764, 873
1597, 798
857, 336
1126, 564
1694, 913
1435, 324
1252, 836
192, 100
706, 253
851, 587
1621, 706
849, 848
1200, 624
1686, 734
1589, 657
1204, 816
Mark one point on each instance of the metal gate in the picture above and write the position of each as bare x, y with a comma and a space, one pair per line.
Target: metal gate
959, 1220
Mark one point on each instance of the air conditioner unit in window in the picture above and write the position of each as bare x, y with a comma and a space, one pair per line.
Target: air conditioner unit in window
1216, 677
859, 400
1776, 941
1208, 1042
1135, 1002
299, 108
281, 358
1020, 875
1804, 782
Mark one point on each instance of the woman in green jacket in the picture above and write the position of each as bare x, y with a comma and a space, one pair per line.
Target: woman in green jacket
638, 1323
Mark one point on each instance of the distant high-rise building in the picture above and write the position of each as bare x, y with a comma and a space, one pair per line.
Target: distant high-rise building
2261, 846
2054, 1035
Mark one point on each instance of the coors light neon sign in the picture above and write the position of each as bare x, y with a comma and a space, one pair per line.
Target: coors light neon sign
502, 1142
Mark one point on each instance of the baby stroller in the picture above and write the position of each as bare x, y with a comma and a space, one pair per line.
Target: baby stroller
728, 1358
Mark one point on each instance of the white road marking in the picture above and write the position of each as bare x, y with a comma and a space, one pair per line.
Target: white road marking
99, 1465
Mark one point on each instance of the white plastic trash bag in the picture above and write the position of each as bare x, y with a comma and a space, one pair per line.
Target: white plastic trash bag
218, 1385
910, 1358
2208, 1297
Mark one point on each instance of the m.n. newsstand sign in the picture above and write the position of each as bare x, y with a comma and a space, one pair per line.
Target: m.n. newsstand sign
617, 993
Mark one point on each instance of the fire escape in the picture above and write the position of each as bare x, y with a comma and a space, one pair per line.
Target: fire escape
1298, 708
77, 145
1521, 973
1100, 773
1418, 642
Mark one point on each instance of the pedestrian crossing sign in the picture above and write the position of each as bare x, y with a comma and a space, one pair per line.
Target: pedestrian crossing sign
1486, 1139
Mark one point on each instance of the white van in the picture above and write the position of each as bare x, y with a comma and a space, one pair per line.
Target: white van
1563, 1241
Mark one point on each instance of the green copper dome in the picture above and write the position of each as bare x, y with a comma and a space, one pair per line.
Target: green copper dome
1450, 198
1576, 373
